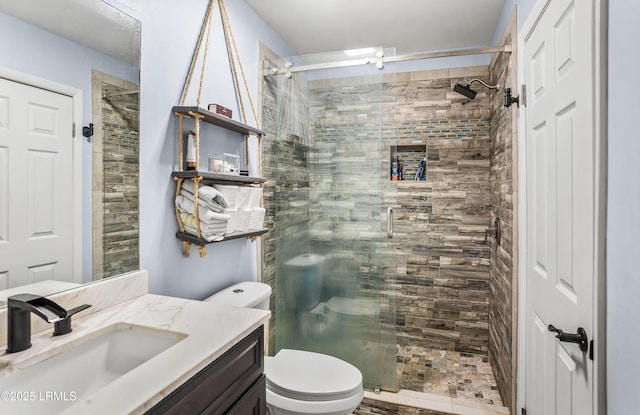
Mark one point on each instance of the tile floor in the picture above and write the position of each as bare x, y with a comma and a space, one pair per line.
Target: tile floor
458, 375
438, 382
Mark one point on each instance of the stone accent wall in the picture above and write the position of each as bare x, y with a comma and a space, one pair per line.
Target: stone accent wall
120, 181
442, 258
503, 304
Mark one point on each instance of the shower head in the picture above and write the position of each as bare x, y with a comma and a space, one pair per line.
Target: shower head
465, 90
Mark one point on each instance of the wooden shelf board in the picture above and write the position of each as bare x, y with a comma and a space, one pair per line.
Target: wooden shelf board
236, 235
218, 177
219, 120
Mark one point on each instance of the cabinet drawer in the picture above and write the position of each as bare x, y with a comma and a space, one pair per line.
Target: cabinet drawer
218, 386
254, 402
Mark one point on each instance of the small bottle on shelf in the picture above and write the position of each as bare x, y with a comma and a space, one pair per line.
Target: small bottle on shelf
191, 151
394, 168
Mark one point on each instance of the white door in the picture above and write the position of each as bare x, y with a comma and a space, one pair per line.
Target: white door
561, 180
36, 185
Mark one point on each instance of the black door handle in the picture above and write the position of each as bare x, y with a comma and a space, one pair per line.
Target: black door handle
580, 337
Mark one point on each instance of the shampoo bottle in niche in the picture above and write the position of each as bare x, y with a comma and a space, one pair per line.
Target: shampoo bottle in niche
394, 168
191, 151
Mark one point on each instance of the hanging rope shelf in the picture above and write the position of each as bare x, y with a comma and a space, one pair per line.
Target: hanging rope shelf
199, 115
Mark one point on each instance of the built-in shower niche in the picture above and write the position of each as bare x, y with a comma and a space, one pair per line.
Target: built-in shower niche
405, 161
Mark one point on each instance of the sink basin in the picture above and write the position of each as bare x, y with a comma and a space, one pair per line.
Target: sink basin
52, 385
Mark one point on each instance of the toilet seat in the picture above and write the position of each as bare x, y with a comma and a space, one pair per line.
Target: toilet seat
310, 376
309, 382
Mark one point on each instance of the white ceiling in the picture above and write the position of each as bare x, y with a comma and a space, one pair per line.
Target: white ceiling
92, 23
316, 26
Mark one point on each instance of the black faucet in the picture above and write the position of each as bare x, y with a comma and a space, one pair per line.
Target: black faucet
19, 309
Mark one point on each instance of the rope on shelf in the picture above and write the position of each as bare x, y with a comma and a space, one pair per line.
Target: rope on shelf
205, 34
235, 64
232, 51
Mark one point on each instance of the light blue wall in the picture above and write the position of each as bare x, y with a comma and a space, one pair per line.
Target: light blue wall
169, 34
623, 243
31, 50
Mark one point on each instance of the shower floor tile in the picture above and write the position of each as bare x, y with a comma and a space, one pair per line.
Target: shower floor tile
458, 375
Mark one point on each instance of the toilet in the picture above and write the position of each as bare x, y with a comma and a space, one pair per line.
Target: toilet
299, 382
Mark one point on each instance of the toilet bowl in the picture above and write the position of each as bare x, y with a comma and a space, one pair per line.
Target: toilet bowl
299, 382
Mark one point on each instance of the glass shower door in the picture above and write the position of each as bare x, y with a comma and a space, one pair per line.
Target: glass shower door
333, 262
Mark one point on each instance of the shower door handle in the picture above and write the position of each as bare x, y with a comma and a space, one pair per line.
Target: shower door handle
389, 222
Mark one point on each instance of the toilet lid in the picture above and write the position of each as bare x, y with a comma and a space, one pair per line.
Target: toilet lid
311, 376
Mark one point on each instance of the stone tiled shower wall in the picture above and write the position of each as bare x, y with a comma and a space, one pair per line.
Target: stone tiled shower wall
503, 308
443, 268
120, 181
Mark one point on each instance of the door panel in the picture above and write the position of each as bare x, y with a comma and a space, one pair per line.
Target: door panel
36, 185
560, 145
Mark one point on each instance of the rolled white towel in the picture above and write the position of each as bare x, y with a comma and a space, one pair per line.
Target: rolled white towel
256, 219
206, 215
212, 206
206, 193
230, 194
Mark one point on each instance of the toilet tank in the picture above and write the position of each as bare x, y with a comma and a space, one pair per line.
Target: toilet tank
244, 294
302, 282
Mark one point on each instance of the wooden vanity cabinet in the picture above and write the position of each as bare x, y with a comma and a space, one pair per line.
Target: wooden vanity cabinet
233, 384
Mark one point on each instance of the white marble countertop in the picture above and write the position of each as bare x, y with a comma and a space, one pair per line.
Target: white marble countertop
210, 330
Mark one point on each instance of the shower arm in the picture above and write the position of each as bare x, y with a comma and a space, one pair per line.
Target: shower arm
483, 83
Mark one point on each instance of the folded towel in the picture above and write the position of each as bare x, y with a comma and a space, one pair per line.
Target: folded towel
239, 221
218, 226
243, 197
206, 215
256, 219
201, 203
206, 193
207, 237
230, 194
255, 195
189, 219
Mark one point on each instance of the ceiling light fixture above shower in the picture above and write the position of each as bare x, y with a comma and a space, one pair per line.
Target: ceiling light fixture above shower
360, 52
467, 91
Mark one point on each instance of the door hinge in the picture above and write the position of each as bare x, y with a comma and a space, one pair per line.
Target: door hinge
523, 94
73, 130
524, 411
591, 349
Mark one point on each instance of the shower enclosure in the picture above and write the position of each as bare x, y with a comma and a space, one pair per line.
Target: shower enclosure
329, 255
350, 138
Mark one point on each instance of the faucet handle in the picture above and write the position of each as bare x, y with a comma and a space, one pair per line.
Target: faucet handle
64, 326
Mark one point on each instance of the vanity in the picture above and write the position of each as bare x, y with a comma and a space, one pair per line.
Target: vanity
136, 353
